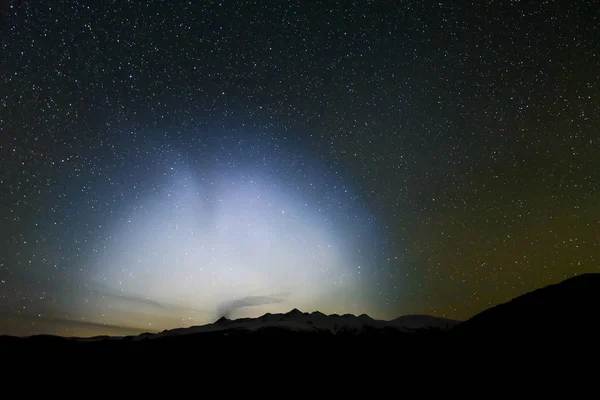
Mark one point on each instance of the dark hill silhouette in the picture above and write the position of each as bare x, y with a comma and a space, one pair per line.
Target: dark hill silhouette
569, 308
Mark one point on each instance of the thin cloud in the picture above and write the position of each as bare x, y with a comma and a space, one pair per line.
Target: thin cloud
107, 291
227, 308
72, 323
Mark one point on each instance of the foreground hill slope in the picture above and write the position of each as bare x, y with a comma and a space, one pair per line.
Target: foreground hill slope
568, 308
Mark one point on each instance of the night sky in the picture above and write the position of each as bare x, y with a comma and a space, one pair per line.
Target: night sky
166, 163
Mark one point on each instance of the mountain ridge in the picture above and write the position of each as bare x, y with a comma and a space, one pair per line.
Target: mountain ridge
565, 309
316, 321
561, 308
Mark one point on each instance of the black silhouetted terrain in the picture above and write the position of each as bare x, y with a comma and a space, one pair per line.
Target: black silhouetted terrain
570, 308
269, 330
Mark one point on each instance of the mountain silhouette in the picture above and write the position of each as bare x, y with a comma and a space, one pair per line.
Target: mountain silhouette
296, 321
568, 308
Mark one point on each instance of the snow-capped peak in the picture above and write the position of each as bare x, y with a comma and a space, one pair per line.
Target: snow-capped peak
296, 320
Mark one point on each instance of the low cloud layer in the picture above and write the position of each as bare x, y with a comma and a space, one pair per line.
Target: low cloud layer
227, 308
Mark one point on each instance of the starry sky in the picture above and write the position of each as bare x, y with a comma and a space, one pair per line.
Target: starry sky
167, 163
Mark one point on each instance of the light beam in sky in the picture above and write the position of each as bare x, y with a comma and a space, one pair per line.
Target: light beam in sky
205, 245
